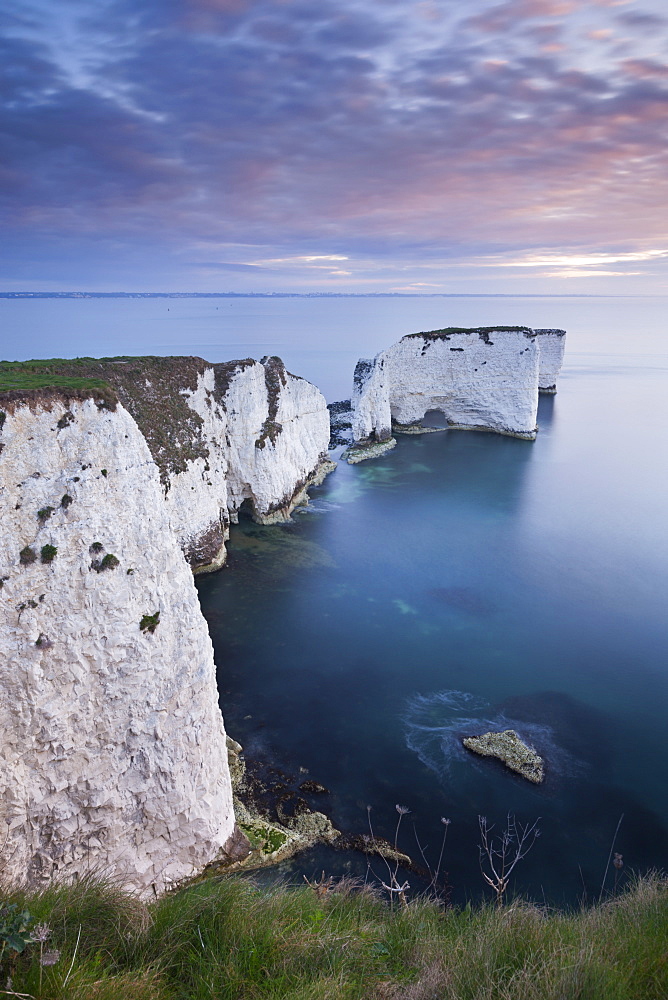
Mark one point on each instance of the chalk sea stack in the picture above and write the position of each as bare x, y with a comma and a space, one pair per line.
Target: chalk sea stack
479, 378
509, 748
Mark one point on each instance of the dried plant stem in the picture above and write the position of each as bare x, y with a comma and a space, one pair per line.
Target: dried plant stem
76, 948
612, 847
501, 854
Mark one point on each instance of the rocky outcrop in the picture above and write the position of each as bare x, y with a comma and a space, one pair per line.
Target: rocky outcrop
511, 750
551, 344
222, 435
340, 423
114, 752
485, 378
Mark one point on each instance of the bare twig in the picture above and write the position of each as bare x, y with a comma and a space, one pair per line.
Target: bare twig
422, 854
446, 824
373, 840
612, 847
502, 853
402, 810
392, 872
399, 889
322, 886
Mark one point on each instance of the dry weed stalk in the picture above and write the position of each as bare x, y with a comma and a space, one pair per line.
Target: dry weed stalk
502, 853
618, 862
394, 888
322, 886
442, 893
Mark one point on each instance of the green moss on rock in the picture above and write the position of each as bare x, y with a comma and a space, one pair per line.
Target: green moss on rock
149, 623
27, 555
264, 838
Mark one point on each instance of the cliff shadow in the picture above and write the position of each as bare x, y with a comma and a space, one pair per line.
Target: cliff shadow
546, 405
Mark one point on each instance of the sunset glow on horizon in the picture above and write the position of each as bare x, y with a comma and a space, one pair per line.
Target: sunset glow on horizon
357, 145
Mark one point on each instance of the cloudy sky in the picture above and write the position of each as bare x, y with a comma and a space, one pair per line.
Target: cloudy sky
466, 146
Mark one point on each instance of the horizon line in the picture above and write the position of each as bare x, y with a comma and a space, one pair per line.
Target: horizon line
351, 295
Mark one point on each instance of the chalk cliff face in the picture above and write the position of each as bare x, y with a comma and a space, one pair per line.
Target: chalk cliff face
480, 379
222, 435
551, 344
113, 750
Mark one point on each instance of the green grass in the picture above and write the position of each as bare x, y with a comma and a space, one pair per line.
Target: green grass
227, 939
151, 388
49, 374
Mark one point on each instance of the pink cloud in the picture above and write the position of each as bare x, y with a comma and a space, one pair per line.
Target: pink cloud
645, 69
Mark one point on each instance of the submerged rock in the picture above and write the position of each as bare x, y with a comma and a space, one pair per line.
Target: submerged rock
509, 748
368, 844
313, 787
362, 450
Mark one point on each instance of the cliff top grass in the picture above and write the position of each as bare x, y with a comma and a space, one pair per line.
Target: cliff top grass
228, 939
100, 373
27, 375
149, 387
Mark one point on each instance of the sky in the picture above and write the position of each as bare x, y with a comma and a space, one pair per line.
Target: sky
434, 146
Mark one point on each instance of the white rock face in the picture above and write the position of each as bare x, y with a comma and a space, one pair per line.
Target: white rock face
484, 379
278, 430
113, 749
262, 435
551, 344
371, 398
113, 752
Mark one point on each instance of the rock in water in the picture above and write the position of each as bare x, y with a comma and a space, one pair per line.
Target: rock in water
509, 748
478, 378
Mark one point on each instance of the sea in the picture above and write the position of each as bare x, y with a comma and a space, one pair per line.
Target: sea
461, 583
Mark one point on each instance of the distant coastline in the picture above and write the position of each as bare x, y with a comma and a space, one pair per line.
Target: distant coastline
306, 295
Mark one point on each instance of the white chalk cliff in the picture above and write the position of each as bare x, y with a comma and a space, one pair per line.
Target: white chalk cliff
551, 344
485, 378
113, 752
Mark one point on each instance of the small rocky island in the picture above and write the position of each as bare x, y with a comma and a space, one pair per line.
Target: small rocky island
511, 750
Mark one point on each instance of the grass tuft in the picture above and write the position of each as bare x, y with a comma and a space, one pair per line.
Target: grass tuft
226, 938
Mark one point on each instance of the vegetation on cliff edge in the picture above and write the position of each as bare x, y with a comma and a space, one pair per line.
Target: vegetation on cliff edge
227, 939
52, 373
153, 389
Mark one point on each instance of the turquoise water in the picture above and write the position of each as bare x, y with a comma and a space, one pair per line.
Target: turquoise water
464, 581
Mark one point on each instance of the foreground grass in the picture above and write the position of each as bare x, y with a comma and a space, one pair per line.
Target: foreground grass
228, 939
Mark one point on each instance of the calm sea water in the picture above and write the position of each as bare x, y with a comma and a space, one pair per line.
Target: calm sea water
462, 582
